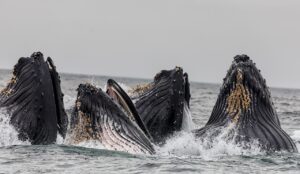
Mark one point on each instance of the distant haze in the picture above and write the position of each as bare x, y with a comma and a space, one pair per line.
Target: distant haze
138, 38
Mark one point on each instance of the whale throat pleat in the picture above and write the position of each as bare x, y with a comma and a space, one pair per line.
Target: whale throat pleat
97, 117
30, 100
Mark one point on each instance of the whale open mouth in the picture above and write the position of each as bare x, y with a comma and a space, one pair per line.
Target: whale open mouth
34, 100
97, 116
119, 96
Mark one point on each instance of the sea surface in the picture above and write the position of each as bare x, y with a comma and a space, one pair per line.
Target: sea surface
182, 153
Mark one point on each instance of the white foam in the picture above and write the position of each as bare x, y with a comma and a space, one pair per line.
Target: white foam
185, 144
8, 136
59, 139
296, 135
69, 101
296, 138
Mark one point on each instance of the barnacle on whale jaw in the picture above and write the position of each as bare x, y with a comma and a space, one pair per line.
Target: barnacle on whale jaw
140, 89
8, 90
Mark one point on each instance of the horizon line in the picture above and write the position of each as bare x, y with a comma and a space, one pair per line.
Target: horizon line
145, 78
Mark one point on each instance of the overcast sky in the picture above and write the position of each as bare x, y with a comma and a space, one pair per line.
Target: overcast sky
138, 38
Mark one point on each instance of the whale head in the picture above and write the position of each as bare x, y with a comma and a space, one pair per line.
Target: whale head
161, 105
34, 100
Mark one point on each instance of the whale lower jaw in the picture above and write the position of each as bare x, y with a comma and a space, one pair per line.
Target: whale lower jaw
110, 137
96, 117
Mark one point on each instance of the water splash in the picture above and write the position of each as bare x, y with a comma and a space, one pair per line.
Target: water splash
225, 144
8, 136
186, 144
187, 121
182, 144
69, 101
59, 139
296, 138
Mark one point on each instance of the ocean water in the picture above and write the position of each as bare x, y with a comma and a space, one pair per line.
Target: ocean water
181, 154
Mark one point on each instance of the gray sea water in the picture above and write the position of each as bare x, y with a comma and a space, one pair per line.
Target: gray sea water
181, 154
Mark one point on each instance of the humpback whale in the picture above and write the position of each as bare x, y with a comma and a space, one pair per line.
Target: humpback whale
161, 103
245, 104
34, 100
99, 116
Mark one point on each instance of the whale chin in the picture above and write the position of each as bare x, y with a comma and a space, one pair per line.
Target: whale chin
245, 104
34, 100
97, 116
161, 103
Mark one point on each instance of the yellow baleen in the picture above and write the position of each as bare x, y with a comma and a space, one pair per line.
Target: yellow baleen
239, 99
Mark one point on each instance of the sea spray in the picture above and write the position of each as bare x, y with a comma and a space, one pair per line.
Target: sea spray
182, 144
224, 144
296, 138
9, 135
187, 120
